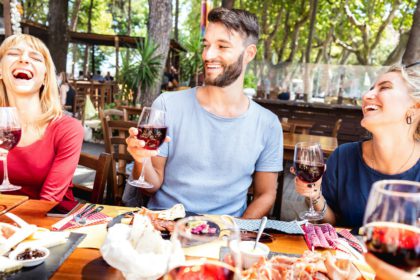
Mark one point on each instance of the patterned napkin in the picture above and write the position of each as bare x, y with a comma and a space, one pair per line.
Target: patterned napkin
292, 227
320, 236
351, 240
69, 223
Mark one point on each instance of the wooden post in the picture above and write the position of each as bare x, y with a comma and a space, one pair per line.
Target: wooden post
117, 54
7, 18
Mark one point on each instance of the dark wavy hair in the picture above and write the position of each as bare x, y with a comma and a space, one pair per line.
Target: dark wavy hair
241, 21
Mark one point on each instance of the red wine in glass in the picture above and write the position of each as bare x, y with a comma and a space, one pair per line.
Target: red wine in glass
152, 135
9, 137
201, 271
394, 243
308, 172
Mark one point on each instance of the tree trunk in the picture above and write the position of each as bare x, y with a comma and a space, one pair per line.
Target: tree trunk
176, 19
314, 4
228, 4
159, 29
412, 53
57, 32
73, 27
86, 57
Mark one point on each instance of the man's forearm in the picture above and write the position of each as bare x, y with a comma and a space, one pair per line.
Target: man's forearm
259, 207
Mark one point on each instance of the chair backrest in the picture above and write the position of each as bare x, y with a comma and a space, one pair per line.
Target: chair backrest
336, 128
115, 134
101, 165
109, 114
288, 127
132, 114
79, 106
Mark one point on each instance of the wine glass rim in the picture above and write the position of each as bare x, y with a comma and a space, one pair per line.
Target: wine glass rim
379, 186
308, 143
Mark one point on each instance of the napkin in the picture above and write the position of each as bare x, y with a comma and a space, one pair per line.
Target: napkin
292, 227
320, 236
351, 240
69, 223
139, 251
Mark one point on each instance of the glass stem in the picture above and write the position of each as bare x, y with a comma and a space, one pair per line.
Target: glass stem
311, 206
5, 176
144, 161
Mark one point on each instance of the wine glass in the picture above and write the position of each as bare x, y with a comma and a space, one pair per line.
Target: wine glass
152, 130
308, 162
391, 225
10, 133
211, 248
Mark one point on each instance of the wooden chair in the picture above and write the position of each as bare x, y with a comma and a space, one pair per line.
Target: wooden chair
288, 127
115, 133
336, 128
131, 114
101, 165
79, 107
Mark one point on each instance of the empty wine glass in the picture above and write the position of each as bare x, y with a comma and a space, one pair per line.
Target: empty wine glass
152, 130
10, 133
308, 163
211, 248
391, 224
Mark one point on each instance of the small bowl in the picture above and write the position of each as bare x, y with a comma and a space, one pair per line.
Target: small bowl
251, 256
30, 262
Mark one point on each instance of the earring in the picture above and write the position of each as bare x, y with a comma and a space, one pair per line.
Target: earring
408, 119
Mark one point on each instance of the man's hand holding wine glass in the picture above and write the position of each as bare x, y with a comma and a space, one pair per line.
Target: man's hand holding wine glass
136, 147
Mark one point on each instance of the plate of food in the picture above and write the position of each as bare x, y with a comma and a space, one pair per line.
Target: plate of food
163, 220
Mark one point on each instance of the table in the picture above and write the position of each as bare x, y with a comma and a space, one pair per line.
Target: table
328, 143
8, 202
88, 263
302, 125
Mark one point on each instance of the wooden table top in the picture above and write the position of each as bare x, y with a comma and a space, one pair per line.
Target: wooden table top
8, 202
88, 263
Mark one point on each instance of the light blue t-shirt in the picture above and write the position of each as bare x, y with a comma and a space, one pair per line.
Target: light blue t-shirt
211, 159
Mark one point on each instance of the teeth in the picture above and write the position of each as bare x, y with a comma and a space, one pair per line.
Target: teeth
22, 71
371, 107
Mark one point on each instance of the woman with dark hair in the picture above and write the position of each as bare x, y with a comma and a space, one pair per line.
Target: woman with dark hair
67, 93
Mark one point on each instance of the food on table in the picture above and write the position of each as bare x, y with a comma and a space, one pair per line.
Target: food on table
6, 231
8, 265
175, 212
201, 227
30, 254
211, 270
309, 266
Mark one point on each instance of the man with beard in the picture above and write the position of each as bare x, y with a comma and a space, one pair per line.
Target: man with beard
221, 141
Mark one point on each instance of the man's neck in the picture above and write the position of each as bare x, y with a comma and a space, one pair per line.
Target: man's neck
226, 102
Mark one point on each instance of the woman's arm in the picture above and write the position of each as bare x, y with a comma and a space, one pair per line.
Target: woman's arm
68, 139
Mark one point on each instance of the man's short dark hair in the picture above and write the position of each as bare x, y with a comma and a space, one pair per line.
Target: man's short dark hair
241, 21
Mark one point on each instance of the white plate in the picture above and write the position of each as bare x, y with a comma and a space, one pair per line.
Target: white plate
32, 262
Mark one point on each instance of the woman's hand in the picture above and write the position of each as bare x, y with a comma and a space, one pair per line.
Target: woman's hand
136, 147
305, 189
385, 271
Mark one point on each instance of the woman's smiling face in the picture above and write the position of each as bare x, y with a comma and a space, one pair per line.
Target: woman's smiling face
23, 69
386, 102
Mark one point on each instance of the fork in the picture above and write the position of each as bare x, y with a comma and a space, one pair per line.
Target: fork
83, 212
82, 221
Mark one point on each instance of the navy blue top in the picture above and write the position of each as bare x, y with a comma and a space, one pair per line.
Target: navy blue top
347, 182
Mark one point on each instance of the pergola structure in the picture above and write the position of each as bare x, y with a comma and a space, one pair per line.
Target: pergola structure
92, 39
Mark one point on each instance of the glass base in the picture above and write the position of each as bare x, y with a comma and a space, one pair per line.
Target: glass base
140, 184
9, 188
311, 216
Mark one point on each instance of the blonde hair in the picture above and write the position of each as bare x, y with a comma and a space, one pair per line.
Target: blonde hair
48, 94
411, 75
